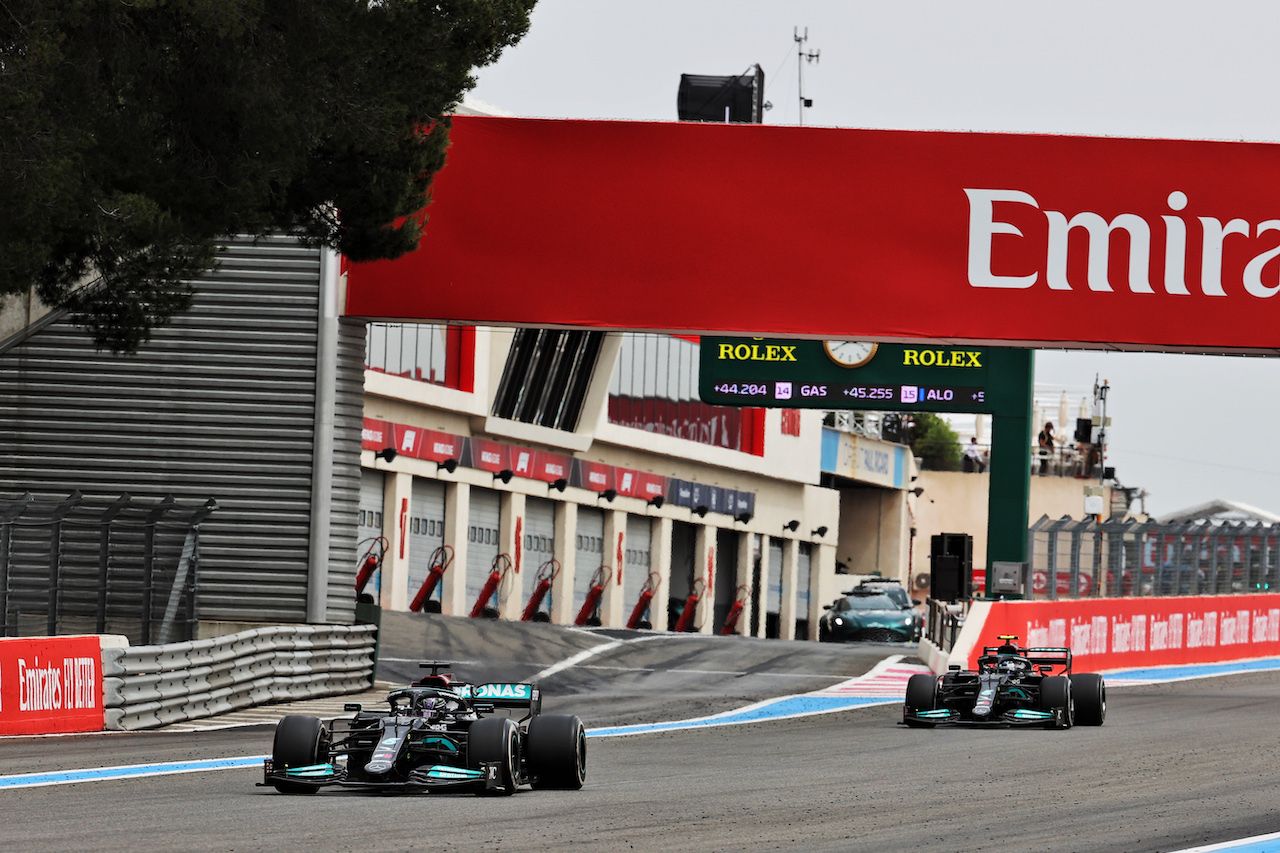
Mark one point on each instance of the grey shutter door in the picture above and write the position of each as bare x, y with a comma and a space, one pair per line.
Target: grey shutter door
426, 529
774, 603
589, 555
637, 561
482, 540
803, 564
369, 523
220, 403
539, 533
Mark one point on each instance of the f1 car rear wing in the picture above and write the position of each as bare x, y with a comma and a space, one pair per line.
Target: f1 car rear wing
1042, 656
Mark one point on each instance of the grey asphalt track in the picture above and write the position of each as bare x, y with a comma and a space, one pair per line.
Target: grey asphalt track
1176, 765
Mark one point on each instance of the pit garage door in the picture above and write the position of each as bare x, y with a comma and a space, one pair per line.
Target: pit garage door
803, 564
369, 521
773, 602
636, 561
426, 530
482, 540
589, 547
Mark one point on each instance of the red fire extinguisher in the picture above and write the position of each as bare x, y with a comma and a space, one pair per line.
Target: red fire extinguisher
685, 622
642, 604
588, 612
731, 618
497, 573
371, 561
441, 558
542, 585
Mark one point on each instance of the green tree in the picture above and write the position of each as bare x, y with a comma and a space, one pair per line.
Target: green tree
933, 439
135, 136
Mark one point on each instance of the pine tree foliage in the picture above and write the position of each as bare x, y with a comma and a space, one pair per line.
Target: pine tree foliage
136, 135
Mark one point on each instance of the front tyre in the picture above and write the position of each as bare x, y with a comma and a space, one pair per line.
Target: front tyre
495, 739
556, 751
1089, 691
300, 741
922, 695
1055, 693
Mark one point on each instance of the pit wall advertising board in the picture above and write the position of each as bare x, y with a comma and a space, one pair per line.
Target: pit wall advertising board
50, 685
1121, 633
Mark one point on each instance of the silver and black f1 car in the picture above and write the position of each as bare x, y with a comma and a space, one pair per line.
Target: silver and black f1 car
437, 735
1013, 686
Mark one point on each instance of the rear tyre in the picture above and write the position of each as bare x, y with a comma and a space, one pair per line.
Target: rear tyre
1089, 691
922, 695
1055, 693
495, 739
556, 751
300, 741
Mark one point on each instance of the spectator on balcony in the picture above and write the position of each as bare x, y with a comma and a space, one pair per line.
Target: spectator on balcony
973, 457
1045, 440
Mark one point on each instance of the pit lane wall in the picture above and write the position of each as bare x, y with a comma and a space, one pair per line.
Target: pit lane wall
1119, 633
51, 685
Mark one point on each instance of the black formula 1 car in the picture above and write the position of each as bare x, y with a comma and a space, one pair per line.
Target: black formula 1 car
437, 735
1012, 687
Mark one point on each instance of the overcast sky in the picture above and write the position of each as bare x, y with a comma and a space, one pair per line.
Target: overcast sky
1188, 429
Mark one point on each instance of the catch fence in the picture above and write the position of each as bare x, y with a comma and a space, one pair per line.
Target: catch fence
75, 566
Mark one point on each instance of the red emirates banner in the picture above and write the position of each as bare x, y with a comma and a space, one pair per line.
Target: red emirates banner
827, 232
596, 476
1117, 633
50, 685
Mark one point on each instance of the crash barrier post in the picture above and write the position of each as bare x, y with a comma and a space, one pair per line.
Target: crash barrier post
148, 686
54, 576
375, 548
647, 591
441, 559
542, 585
588, 613
735, 611
685, 622
498, 571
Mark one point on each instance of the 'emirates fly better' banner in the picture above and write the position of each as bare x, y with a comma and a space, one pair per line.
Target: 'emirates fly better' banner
50, 684
1117, 633
825, 232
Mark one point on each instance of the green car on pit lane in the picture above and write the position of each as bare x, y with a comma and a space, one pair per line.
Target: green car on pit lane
867, 614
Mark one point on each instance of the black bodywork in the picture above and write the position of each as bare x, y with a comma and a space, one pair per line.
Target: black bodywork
1012, 686
436, 734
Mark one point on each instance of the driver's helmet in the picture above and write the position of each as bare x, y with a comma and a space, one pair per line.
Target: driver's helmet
1012, 663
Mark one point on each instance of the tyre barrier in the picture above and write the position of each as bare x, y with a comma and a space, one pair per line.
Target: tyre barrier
148, 686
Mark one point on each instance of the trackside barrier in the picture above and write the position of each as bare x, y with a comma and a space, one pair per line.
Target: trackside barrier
148, 686
52, 685
1120, 633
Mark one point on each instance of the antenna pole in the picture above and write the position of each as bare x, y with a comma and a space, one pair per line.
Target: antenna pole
801, 58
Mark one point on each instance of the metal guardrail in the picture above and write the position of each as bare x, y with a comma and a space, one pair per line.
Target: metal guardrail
148, 686
944, 621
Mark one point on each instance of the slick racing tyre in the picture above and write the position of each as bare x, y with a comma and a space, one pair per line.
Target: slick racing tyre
556, 750
496, 739
922, 695
1089, 691
300, 741
1055, 692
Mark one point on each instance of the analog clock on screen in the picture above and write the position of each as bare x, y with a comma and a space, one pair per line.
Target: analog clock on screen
850, 353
